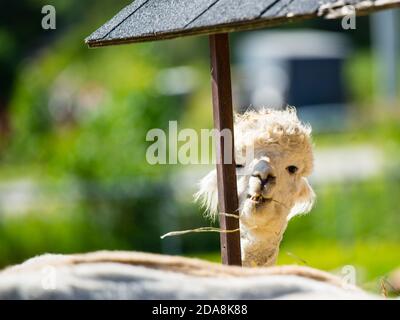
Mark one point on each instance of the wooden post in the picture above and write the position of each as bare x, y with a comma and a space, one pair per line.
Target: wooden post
226, 172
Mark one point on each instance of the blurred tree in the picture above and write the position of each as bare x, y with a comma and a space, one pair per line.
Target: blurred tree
21, 35
81, 116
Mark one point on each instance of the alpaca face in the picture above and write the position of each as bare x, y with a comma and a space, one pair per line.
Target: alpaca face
272, 185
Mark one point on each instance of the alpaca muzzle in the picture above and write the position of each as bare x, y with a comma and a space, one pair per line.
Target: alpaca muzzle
263, 171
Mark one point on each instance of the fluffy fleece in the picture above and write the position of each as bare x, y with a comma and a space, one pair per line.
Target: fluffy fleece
138, 275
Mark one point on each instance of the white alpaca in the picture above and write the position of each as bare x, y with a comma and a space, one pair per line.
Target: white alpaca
272, 188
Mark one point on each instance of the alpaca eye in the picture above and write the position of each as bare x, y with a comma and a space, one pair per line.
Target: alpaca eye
239, 165
292, 169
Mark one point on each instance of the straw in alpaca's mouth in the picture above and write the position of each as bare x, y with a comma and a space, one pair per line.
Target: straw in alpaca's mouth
258, 199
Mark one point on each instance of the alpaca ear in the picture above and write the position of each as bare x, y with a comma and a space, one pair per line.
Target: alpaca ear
208, 194
304, 201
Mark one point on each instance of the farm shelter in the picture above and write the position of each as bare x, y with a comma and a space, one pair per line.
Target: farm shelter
149, 20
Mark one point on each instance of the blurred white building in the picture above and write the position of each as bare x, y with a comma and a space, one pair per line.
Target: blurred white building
303, 68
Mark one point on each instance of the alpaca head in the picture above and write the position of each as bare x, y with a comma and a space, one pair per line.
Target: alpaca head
272, 185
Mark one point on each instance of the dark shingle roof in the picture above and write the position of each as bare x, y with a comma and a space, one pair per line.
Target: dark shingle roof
147, 20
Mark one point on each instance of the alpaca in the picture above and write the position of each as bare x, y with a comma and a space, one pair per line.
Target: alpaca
273, 186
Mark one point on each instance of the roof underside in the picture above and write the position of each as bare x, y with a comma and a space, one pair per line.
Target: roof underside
149, 20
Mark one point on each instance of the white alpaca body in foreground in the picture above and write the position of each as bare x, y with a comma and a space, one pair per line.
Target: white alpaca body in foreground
272, 186
138, 275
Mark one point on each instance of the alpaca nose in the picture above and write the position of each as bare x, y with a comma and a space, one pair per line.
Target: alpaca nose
263, 171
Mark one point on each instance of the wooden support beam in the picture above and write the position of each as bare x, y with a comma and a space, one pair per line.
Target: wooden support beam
226, 172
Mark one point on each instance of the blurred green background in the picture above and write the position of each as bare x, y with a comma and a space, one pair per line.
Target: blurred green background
73, 172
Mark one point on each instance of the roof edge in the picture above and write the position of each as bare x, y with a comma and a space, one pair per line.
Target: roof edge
328, 11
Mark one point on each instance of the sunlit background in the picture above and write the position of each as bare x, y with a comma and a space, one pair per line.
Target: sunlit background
73, 122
